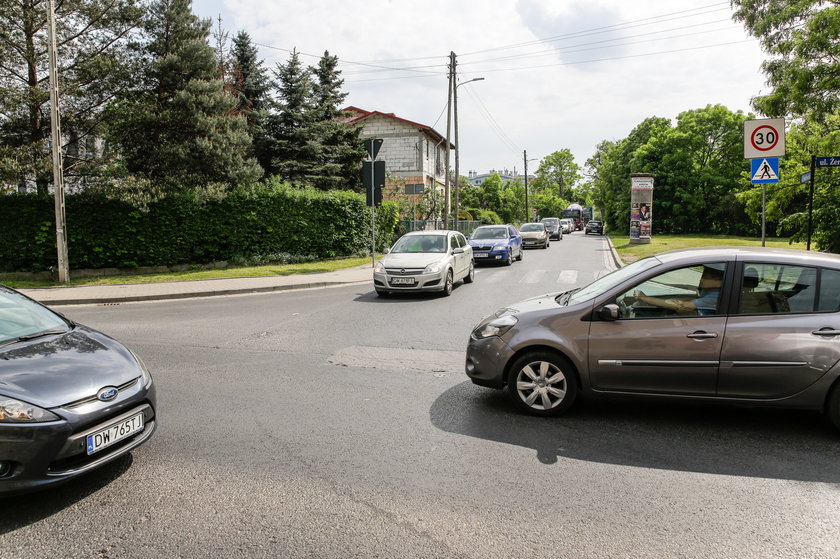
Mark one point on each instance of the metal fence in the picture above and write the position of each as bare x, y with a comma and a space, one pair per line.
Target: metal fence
408, 225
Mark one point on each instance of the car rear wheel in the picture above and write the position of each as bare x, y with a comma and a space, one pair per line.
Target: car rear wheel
521, 254
447, 286
832, 408
543, 383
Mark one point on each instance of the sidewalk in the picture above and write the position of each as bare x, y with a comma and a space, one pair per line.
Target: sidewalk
87, 294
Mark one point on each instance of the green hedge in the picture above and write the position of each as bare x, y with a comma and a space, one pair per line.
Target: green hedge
264, 219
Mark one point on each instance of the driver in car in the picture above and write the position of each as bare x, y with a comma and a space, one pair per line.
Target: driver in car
704, 304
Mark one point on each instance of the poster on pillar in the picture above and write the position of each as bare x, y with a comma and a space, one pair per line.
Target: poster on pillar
641, 208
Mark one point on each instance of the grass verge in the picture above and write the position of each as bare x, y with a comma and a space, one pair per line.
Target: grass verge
661, 243
190, 275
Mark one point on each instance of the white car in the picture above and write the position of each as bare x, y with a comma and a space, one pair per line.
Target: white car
425, 261
567, 225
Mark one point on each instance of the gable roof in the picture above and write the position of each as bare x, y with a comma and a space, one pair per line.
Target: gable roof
357, 115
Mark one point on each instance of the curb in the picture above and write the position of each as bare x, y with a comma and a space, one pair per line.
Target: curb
614, 253
188, 295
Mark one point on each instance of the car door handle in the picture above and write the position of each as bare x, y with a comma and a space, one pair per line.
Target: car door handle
826, 332
702, 335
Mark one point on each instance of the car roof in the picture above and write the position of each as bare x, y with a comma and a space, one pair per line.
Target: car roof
430, 232
766, 254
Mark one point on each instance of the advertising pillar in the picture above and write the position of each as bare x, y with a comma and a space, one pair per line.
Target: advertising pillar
641, 208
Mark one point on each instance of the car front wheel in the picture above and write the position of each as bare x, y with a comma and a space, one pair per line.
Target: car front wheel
543, 383
447, 287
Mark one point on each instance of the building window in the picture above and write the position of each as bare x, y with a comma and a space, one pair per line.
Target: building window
415, 188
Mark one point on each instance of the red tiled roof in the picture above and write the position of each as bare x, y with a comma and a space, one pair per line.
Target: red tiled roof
361, 114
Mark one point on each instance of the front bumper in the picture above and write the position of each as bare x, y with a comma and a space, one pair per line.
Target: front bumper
497, 256
486, 361
384, 281
38, 455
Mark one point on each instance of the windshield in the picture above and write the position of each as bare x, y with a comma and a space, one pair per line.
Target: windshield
607, 282
551, 221
490, 233
532, 227
22, 318
420, 243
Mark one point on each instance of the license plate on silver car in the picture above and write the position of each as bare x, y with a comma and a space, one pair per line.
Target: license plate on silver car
114, 433
402, 281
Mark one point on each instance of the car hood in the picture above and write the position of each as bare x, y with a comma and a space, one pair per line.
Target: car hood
489, 242
533, 234
538, 303
411, 259
60, 369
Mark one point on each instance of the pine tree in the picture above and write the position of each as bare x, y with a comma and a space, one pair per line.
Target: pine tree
292, 148
92, 39
339, 148
251, 85
179, 129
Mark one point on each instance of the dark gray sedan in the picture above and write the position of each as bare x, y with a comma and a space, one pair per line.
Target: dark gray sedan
735, 325
71, 398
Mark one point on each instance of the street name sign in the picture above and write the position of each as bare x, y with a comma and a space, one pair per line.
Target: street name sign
765, 170
764, 138
828, 161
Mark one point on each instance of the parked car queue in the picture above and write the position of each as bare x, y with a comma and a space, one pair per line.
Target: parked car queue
434, 261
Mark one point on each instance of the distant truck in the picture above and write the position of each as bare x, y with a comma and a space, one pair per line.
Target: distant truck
575, 213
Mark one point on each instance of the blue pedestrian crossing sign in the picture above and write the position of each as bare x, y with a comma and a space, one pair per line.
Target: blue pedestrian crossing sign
764, 170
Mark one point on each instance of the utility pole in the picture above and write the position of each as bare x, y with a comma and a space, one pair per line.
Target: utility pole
527, 208
446, 202
458, 149
58, 171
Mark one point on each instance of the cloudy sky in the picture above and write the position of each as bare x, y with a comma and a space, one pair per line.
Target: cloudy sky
557, 73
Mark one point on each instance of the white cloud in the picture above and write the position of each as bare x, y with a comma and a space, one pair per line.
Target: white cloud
610, 63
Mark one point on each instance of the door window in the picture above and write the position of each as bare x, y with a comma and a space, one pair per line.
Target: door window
690, 291
829, 290
778, 288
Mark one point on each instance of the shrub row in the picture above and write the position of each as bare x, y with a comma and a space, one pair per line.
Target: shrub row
246, 224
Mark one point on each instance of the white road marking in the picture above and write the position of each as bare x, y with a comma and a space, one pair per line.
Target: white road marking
534, 276
568, 276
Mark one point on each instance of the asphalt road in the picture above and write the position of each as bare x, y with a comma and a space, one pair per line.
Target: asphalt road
333, 423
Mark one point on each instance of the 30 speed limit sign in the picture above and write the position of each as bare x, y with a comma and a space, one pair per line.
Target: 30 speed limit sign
764, 138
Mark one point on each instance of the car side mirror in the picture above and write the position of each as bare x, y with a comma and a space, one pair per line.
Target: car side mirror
386, 251
458, 250
609, 312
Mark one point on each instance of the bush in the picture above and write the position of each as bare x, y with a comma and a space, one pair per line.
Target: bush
258, 223
486, 217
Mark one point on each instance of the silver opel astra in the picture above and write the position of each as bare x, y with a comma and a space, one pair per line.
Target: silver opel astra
71, 398
737, 325
425, 261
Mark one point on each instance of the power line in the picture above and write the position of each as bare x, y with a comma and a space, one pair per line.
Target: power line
599, 30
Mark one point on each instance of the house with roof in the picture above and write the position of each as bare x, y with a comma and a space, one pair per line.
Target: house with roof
414, 154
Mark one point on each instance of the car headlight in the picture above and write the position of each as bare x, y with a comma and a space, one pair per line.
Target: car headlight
15, 411
378, 267
145, 375
433, 268
495, 327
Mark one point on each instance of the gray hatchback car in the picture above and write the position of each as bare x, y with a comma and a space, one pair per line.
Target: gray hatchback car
738, 325
71, 398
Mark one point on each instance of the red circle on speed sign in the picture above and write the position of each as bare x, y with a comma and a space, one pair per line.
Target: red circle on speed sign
764, 138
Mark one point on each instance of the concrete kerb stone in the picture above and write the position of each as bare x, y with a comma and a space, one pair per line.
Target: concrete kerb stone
160, 292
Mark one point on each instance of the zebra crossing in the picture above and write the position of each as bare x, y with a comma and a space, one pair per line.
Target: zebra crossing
562, 277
